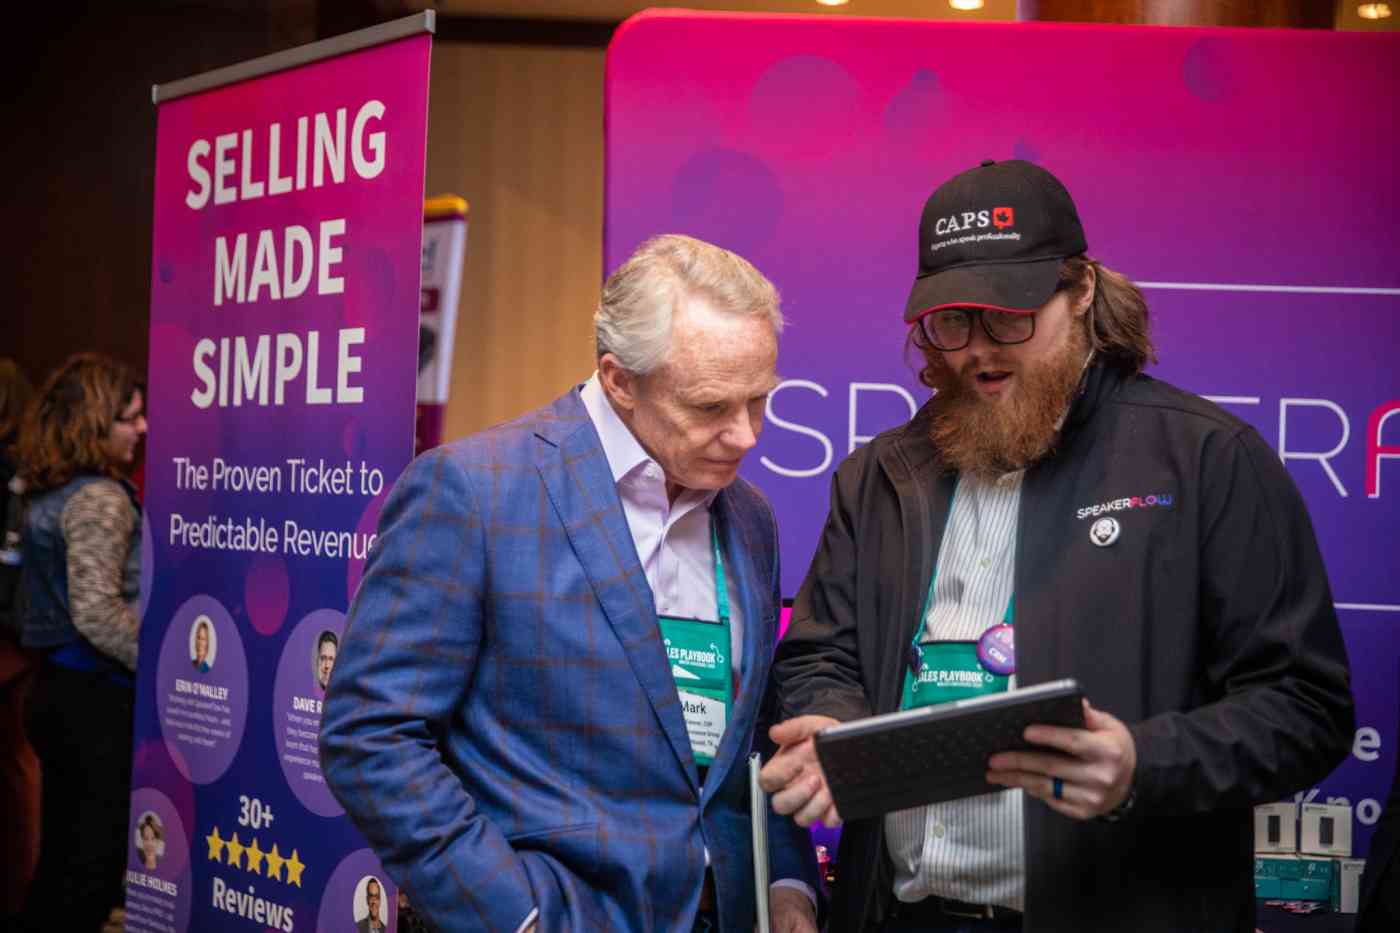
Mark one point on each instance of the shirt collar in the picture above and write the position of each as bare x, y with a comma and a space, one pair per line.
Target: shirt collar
620, 446
625, 454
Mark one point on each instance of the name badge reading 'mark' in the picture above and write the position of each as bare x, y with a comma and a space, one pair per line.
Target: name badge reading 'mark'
698, 655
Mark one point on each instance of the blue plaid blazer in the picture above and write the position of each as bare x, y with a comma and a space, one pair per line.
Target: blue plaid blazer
502, 723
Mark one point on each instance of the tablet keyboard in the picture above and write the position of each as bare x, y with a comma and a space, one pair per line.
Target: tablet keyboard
943, 759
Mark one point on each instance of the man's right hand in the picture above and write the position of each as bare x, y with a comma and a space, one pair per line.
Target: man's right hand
793, 777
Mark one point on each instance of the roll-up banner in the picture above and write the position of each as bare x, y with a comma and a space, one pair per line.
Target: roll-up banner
444, 248
284, 334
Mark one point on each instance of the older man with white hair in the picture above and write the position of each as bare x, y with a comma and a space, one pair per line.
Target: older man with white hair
548, 684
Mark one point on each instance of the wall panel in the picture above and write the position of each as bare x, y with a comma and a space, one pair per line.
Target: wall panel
518, 131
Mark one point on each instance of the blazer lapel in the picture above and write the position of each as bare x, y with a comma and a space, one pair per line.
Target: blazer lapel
739, 539
576, 475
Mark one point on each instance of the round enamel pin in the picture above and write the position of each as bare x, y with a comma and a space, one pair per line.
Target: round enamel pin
996, 649
1104, 531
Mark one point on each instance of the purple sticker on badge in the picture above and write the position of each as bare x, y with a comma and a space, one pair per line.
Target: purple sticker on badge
996, 649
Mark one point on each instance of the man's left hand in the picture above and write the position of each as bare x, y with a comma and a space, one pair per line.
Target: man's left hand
791, 910
1094, 765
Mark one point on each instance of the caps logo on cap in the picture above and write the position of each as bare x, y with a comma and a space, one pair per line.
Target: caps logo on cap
945, 227
994, 237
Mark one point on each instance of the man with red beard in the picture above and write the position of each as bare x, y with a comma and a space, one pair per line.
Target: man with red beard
1115, 529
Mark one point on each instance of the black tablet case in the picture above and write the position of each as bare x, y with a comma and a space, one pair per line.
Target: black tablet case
935, 753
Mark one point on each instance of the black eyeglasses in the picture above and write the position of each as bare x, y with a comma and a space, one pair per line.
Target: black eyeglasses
951, 328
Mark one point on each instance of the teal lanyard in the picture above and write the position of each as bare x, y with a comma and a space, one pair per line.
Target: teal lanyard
721, 591
701, 667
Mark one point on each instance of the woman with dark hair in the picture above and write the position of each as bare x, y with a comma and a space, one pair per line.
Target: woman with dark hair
82, 568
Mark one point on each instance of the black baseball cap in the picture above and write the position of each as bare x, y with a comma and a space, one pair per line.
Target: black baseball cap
994, 237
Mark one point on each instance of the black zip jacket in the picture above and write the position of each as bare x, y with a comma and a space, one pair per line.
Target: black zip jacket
1207, 626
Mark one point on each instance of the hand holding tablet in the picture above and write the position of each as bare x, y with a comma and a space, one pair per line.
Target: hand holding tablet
1082, 773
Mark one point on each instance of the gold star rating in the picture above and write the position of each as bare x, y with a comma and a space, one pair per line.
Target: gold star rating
255, 857
216, 845
231, 852
294, 869
275, 861
235, 852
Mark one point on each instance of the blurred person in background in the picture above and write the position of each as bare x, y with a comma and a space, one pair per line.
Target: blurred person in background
19, 768
80, 582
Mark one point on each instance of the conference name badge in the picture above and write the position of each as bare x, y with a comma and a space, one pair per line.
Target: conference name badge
947, 671
697, 652
705, 719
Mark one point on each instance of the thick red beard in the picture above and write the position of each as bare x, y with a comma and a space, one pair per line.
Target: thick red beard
992, 436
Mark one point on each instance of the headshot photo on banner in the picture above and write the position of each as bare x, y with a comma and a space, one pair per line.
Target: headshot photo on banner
284, 312
1208, 166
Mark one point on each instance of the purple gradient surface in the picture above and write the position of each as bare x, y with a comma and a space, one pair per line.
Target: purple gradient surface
1206, 157
266, 592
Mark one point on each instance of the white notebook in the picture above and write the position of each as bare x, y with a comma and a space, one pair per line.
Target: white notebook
758, 810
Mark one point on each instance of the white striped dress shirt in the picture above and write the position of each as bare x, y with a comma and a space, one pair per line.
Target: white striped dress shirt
970, 849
